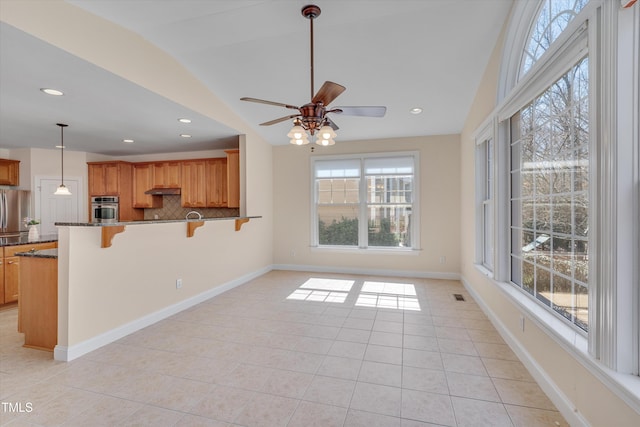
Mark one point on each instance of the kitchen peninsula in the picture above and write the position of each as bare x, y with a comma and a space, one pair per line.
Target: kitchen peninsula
117, 278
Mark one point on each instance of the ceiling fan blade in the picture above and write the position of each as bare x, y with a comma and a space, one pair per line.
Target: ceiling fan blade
328, 92
331, 123
281, 119
262, 101
360, 111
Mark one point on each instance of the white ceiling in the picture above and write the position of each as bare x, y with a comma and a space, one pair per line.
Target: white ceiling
398, 53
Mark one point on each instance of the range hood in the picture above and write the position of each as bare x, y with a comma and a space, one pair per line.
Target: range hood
163, 191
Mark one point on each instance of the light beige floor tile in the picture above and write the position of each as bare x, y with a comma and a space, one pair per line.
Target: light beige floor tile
267, 410
427, 407
287, 383
422, 359
457, 347
383, 354
358, 323
340, 367
394, 327
431, 380
196, 421
452, 333
418, 318
419, 342
330, 391
223, 403
386, 339
463, 364
351, 350
531, 417
354, 335
522, 393
413, 423
311, 414
495, 351
422, 329
313, 345
248, 377
472, 386
477, 413
381, 373
390, 316
62, 408
368, 419
379, 399
108, 411
491, 337
150, 416
507, 369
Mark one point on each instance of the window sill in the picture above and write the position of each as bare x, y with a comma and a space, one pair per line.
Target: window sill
625, 386
370, 251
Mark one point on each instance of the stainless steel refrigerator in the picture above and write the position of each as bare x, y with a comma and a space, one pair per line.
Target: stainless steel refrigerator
14, 207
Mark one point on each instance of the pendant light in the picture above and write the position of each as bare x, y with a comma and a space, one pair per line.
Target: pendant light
62, 190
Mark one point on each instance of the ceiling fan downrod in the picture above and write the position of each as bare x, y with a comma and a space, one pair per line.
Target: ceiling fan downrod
311, 12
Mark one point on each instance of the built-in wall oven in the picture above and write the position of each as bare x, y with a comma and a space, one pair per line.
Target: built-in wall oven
104, 209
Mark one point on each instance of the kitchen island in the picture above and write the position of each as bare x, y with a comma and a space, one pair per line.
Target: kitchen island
38, 298
116, 278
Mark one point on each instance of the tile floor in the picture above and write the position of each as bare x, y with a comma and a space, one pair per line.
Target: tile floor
288, 349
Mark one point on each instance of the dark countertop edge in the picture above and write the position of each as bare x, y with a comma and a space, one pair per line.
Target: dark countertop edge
43, 253
25, 240
153, 221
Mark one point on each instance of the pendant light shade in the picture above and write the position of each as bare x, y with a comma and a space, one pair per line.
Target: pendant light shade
62, 190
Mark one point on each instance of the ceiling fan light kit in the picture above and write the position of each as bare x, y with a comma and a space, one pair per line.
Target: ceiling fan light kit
311, 119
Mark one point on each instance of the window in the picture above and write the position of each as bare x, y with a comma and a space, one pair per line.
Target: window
365, 201
550, 197
485, 197
552, 20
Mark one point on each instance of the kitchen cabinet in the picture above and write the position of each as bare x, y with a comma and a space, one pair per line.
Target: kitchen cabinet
233, 178
216, 182
2, 280
193, 194
167, 174
9, 172
38, 306
114, 178
143, 181
11, 268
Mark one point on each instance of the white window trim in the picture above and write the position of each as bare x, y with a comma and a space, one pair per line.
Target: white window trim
484, 135
415, 231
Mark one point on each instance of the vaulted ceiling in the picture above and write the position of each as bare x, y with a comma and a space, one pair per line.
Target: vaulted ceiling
397, 53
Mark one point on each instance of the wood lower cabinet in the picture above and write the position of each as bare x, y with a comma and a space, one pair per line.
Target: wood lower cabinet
38, 306
9, 172
2, 280
10, 268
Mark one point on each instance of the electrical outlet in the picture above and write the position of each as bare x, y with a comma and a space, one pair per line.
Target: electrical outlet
522, 323
443, 259
178, 283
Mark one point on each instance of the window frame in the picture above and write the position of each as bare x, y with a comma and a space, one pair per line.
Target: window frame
362, 211
486, 159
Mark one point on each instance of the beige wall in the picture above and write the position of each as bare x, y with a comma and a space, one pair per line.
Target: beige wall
439, 207
577, 390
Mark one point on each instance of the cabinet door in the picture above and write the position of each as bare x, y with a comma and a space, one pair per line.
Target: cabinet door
96, 180
216, 183
1, 279
167, 175
142, 181
233, 178
111, 179
193, 184
11, 278
9, 172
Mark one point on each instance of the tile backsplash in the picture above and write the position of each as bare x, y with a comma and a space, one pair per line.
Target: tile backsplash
171, 209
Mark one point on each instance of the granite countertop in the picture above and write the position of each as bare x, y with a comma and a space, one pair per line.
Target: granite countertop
23, 239
44, 253
152, 221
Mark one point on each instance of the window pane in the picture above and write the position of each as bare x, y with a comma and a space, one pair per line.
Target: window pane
338, 225
389, 225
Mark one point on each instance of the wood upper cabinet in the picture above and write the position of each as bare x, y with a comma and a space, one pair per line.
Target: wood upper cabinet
9, 172
193, 194
143, 181
233, 178
104, 179
216, 182
167, 175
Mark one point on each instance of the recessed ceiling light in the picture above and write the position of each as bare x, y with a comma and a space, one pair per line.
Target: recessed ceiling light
184, 135
184, 120
53, 92
128, 141
416, 110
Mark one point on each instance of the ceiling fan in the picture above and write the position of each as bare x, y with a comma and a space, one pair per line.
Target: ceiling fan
312, 117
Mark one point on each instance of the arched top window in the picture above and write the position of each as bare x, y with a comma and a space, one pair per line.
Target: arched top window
552, 20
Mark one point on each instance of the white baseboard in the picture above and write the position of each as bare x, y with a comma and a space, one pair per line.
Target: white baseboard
372, 272
562, 402
68, 353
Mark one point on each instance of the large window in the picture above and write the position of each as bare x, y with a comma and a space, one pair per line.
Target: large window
485, 198
365, 201
550, 197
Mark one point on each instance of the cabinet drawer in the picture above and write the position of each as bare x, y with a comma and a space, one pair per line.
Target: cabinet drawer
12, 250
